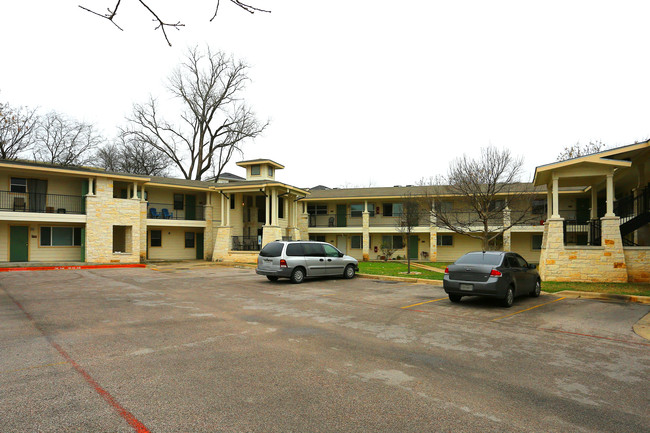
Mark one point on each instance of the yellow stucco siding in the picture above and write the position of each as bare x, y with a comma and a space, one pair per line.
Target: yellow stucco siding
522, 244
173, 244
36, 252
4, 242
461, 245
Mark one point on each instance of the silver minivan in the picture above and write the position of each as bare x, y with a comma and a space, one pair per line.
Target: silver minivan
298, 260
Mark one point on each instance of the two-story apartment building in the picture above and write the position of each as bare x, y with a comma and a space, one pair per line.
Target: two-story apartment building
586, 211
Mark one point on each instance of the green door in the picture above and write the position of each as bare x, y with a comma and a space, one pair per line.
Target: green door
84, 191
83, 243
18, 240
190, 207
199, 246
413, 247
341, 220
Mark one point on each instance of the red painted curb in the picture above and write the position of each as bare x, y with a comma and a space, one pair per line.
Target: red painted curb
57, 268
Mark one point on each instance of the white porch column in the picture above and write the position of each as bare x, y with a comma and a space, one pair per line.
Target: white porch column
135, 190
142, 193
549, 201
223, 215
274, 207
594, 203
610, 195
556, 198
90, 186
267, 221
228, 200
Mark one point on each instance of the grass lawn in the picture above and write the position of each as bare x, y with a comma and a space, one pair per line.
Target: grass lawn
394, 268
639, 289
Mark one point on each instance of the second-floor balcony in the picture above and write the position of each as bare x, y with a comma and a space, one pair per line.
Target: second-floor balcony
166, 211
42, 203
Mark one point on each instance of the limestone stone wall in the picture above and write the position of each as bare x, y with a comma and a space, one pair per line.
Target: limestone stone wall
303, 225
208, 234
270, 234
637, 260
143, 231
433, 243
103, 212
583, 263
222, 243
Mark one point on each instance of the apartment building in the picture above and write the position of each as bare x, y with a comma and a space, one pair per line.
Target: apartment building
590, 219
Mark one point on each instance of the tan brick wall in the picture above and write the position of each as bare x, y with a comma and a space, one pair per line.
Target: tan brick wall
637, 260
103, 212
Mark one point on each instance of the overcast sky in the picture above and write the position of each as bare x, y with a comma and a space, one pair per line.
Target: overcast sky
358, 92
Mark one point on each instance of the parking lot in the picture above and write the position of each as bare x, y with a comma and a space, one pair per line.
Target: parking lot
222, 349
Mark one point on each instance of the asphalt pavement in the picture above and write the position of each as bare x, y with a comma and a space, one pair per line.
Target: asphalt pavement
222, 349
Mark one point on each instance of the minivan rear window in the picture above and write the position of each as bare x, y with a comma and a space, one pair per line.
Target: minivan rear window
273, 249
295, 250
480, 259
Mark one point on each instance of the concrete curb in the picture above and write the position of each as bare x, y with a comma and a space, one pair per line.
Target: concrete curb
603, 296
642, 327
401, 279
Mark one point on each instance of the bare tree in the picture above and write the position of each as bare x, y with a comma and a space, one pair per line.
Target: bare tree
65, 141
483, 190
131, 156
17, 126
407, 220
214, 122
578, 150
162, 24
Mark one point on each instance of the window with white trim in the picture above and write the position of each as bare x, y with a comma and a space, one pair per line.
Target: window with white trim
445, 240
356, 242
56, 236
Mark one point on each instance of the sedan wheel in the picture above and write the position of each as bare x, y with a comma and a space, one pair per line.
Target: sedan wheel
537, 290
297, 276
509, 299
455, 298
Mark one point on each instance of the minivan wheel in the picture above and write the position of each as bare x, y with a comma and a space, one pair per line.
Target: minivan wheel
297, 275
272, 278
349, 272
455, 298
509, 298
537, 290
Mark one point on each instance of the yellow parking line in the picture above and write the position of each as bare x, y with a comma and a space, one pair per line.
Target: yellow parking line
527, 309
425, 302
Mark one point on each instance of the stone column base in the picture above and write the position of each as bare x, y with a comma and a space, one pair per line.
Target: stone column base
270, 234
222, 244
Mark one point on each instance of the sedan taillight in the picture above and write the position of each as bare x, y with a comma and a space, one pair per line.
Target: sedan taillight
447, 270
283, 264
495, 273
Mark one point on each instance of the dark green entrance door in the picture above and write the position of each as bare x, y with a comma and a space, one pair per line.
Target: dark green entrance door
341, 220
413, 247
199, 246
190, 207
18, 239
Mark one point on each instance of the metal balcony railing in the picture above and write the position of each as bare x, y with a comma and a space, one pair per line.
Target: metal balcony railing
43, 203
245, 243
582, 232
332, 220
167, 211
